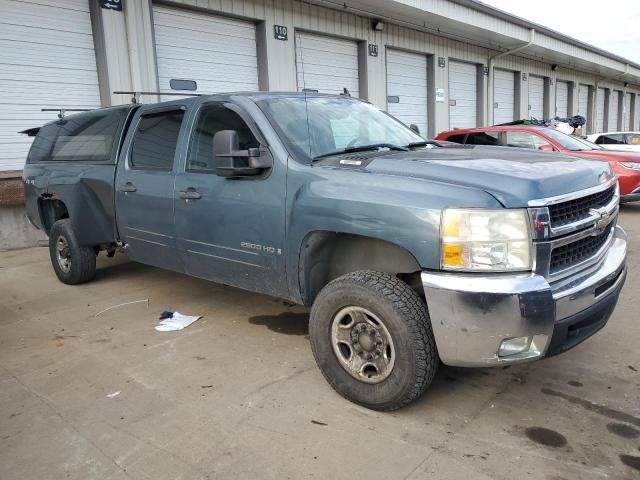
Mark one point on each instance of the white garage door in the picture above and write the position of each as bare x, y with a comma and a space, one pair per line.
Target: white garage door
503, 96
562, 99
614, 109
218, 53
627, 112
583, 105
326, 64
600, 110
47, 60
463, 94
407, 88
536, 97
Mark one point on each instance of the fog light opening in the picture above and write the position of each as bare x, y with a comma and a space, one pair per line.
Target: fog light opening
513, 346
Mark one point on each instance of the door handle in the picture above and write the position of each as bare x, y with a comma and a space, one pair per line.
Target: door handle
127, 188
189, 195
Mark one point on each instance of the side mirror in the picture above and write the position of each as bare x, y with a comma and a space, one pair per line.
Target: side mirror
415, 128
230, 161
546, 148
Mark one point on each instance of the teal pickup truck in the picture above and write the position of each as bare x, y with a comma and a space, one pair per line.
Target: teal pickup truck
409, 252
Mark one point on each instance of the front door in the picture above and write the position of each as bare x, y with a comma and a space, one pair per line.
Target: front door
230, 230
144, 187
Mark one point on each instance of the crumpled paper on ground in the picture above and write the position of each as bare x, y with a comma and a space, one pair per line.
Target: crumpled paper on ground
177, 322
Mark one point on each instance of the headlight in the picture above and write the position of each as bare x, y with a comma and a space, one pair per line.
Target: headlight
630, 165
485, 240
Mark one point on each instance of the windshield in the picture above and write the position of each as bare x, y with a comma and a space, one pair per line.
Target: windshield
570, 142
322, 126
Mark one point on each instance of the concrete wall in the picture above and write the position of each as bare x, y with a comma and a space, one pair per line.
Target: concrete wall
16, 231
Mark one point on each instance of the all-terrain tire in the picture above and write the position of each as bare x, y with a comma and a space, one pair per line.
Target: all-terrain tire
406, 320
73, 263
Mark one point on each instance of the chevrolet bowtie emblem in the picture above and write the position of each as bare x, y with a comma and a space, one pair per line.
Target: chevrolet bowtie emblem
602, 219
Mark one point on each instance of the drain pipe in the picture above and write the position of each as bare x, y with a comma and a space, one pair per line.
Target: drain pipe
532, 36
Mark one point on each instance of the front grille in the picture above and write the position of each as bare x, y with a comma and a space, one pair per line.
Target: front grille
578, 209
571, 254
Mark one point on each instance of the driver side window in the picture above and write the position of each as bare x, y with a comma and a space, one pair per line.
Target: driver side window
214, 118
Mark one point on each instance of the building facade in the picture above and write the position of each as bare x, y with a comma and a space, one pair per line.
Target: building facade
439, 64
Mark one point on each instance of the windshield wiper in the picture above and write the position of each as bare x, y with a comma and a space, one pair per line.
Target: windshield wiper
423, 144
363, 148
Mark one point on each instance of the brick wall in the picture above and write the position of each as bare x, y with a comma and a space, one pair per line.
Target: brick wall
11, 189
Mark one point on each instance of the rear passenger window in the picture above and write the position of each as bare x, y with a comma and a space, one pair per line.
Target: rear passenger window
614, 139
483, 138
156, 137
633, 139
80, 138
456, 138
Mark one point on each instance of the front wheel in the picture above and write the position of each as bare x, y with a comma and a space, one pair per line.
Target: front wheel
72, 262
371, 337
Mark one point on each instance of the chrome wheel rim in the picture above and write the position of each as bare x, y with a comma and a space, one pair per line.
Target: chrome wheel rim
362, 344
63, 254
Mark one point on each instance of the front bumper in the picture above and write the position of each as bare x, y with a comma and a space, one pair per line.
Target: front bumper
471, 314
631, 197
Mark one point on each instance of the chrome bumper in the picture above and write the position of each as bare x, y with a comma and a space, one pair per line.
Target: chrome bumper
471, 314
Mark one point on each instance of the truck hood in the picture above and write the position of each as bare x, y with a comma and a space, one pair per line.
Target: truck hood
513, 176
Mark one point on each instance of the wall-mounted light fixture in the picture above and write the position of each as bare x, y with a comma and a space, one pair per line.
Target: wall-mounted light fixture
554, 67
626, 84
378, 25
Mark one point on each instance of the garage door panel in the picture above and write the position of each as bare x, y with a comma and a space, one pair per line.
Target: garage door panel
536, 97
32, 15
600, 110
47, 60
206, 41
219, 53
326, 64
562, 99
627, 112
462, 95
407, 80
613, 109
503, 96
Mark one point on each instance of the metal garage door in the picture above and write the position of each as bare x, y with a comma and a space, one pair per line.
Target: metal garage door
326, 64
600, 110
463, 94
503, 96
627, 112
218, 53
562, 99
536, 97
614, 100
47, 60
583, 105
407, 88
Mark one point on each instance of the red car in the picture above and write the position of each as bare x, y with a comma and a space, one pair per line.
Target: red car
625, 164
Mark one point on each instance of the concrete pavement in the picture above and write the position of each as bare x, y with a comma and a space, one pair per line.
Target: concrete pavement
237, 394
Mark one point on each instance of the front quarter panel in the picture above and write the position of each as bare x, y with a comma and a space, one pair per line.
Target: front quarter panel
401, 210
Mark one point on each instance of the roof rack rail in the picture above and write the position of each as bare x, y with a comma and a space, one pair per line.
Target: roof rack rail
63, 111
136, 95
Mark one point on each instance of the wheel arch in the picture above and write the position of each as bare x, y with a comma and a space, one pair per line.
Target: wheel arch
325, 256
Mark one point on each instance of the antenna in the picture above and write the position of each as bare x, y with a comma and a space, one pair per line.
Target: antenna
63, 111
136, 95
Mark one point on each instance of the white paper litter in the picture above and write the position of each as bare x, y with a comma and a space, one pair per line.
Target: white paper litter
177, 322
114, 394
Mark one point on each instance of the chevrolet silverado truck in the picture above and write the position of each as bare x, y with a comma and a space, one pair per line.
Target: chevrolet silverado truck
409, 252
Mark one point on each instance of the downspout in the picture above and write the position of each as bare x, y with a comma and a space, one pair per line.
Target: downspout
532, 36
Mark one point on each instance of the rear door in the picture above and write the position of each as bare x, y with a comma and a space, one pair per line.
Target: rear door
144, 185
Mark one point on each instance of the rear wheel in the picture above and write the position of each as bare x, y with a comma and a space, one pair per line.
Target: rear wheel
371, 337
72, 262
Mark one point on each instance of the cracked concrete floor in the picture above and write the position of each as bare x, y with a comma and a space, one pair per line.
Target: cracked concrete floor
237, 394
